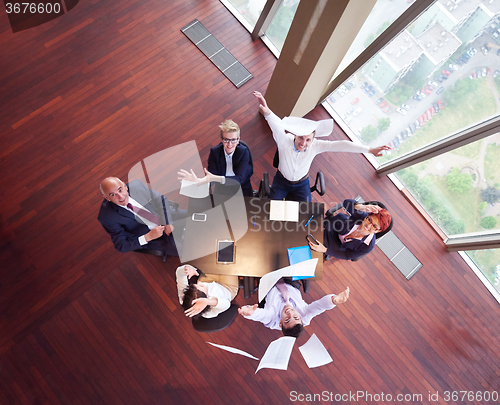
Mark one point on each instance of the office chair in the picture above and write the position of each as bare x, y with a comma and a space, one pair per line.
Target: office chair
221, 321
319, 184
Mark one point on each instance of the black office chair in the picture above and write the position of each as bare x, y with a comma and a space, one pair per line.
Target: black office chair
319, 184
221, 321
331, 212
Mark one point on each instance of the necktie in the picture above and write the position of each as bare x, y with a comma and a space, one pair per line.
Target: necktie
280, 285
155, 219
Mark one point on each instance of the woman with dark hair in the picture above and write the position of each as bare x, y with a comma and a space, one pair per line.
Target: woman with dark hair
350, 232
208, 296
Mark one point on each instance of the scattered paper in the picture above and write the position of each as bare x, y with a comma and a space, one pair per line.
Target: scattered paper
233, 350
194, 190
277, 354
284, 211
306, 268
314, 353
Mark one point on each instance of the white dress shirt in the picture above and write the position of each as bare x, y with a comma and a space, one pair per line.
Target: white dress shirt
214, 290
270, 315
149, 224
229, 163
294, 164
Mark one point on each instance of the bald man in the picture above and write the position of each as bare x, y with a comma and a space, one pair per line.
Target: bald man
137, 217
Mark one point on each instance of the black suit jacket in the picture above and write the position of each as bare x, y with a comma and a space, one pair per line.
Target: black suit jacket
242, 166
125, 229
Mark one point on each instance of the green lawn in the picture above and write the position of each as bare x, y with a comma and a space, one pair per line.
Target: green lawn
486, 260
463, 206
491, 160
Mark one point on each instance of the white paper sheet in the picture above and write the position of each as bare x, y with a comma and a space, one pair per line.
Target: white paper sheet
277, 354
306, 268
314, 353
194, 190
284, 211
233, 350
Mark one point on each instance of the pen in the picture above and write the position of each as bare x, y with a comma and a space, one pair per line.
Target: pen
312, 216
254, 218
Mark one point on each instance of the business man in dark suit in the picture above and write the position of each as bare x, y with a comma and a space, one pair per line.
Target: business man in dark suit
232, 159
137, 217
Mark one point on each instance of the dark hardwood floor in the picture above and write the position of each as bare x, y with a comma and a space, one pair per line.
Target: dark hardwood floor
89, 95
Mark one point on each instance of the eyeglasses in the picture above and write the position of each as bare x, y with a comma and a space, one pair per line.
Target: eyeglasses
370, 221
231, 141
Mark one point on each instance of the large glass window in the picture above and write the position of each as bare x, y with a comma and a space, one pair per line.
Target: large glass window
488, 261
383, 14
459, 189
281, 22
438, 76
246, 10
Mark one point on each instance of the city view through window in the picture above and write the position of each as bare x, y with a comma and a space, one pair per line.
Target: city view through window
440, 75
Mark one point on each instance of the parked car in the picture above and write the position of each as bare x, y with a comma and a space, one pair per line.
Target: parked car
371, 93
417, 124
441, 105
406, 107
350, 111
484, 72
364, 85
432, 110
368, 89
429, 115
440, 90
401, 110
395, 141
484, 50
473, 75
383, 104
421, 121
386, 108
436, 107
446, 72
355, 100
488, 72
496, 74
433, 84
343, 90
417, 97
443, 76
356, 111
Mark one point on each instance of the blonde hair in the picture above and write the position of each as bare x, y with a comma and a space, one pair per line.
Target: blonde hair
229, 126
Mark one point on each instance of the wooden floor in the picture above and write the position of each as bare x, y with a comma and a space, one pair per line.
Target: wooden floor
92, 93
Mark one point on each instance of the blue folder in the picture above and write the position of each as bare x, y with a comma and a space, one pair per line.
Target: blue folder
297, 255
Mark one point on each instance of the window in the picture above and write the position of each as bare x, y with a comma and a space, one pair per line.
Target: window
281, 22
247, 11
436, 80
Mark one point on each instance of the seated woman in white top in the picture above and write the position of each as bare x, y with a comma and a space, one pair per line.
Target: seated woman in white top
210, 296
